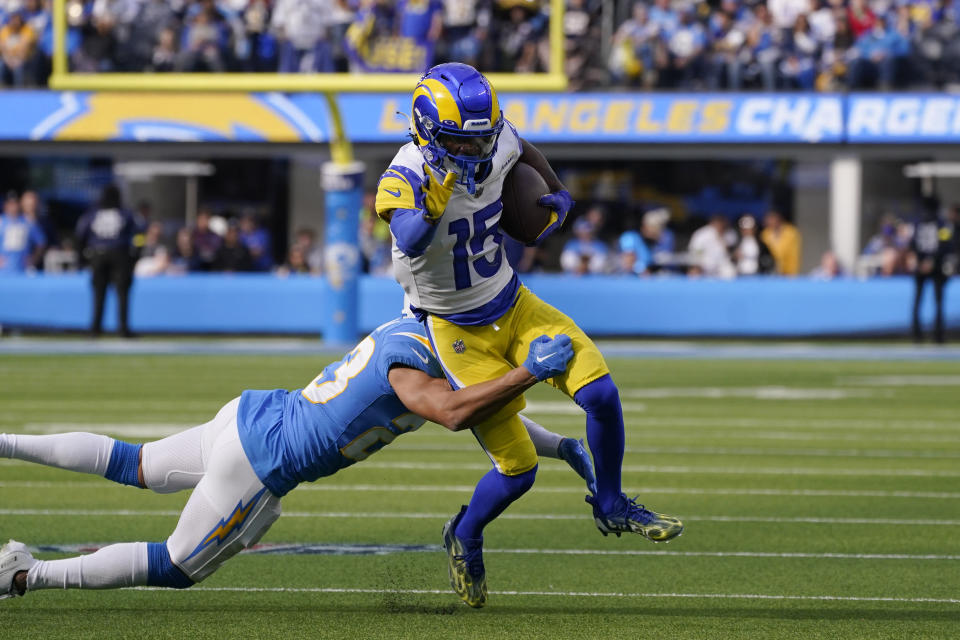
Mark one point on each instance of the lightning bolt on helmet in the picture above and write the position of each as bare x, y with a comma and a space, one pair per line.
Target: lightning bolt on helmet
456, 121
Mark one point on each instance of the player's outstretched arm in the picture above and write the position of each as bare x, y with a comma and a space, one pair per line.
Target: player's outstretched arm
433, 399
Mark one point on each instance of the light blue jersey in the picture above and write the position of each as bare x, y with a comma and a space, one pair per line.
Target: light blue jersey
345, 414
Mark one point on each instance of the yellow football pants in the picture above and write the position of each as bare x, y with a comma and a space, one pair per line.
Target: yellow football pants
470, 355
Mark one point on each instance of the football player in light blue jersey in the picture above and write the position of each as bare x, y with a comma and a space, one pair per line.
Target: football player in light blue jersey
257, 448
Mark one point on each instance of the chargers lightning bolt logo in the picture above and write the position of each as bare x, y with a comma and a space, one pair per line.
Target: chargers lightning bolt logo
227, 525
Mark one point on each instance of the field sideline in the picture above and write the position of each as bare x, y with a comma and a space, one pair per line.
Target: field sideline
821, 497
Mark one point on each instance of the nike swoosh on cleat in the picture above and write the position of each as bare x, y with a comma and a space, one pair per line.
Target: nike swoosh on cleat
542, 358
395, 194
420, 355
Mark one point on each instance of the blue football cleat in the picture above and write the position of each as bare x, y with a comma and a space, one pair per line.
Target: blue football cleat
631, 517
572, 451
467, 575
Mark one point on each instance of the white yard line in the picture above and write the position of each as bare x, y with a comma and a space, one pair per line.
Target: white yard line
407, 515
395, 488
901, 381
551, 466
770, 392
568, 594
572, 415
374, 549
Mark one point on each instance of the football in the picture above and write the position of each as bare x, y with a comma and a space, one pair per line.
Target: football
522, 218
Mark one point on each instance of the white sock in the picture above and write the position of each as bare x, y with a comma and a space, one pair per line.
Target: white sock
113, 567
83, 452
546, 442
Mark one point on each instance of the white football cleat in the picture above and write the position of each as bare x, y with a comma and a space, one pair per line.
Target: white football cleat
14, 558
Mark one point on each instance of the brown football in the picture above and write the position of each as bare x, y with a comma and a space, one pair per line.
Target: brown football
522, 218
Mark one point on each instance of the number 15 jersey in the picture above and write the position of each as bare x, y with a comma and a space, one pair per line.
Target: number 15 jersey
464, 267
345, 414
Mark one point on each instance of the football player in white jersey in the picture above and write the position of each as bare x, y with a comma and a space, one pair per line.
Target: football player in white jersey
257, 449
441, 196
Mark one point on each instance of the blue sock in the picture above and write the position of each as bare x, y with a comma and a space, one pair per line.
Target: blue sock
124, 462
161, 572
601, 400
494, 493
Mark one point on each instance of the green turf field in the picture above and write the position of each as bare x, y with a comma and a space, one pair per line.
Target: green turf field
822, 500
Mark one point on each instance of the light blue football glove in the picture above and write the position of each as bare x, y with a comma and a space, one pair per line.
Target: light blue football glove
549, 357
560, 203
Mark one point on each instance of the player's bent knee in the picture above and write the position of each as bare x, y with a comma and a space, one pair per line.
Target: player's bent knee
161, 572
124, 463
519, 484
599, 397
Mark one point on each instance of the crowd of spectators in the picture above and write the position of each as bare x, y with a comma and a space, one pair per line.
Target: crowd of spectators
273, 36
789, 44
655, 44
722, 247
216, 242
713, 250
725, 249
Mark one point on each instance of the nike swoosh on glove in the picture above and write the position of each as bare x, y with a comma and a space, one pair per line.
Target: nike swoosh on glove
549, 357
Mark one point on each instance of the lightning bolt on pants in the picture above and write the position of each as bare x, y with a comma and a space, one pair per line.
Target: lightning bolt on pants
229, 509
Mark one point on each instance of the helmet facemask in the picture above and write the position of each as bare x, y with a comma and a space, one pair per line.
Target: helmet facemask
467, 151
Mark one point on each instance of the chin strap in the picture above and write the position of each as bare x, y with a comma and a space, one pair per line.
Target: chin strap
471, 171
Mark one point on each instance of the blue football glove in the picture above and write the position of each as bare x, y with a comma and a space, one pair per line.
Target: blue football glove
560, 204
548, 357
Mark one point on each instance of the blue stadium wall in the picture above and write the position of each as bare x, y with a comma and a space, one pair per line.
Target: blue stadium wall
603, 306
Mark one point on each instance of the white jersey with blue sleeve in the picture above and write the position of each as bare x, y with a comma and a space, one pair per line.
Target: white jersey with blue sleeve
345, 414
464, 267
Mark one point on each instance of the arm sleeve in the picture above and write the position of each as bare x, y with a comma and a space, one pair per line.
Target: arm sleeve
412, 231
409, 351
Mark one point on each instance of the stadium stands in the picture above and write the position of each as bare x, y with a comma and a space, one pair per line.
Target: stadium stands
823, 45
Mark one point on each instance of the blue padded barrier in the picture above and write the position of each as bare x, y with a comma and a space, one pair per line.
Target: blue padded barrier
263, 303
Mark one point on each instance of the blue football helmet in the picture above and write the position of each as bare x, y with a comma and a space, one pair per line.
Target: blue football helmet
456, 121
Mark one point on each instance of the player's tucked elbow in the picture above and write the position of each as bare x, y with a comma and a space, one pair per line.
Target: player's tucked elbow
410, 250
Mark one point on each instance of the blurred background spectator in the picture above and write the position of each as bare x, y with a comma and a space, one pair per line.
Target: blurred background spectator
257, 241
302, 30
232, 255
709, 250
18, 46
585, 253
752, 255
829, 267
21, 241
205, 242
306, 255
783, 240
154, 254
634, 257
